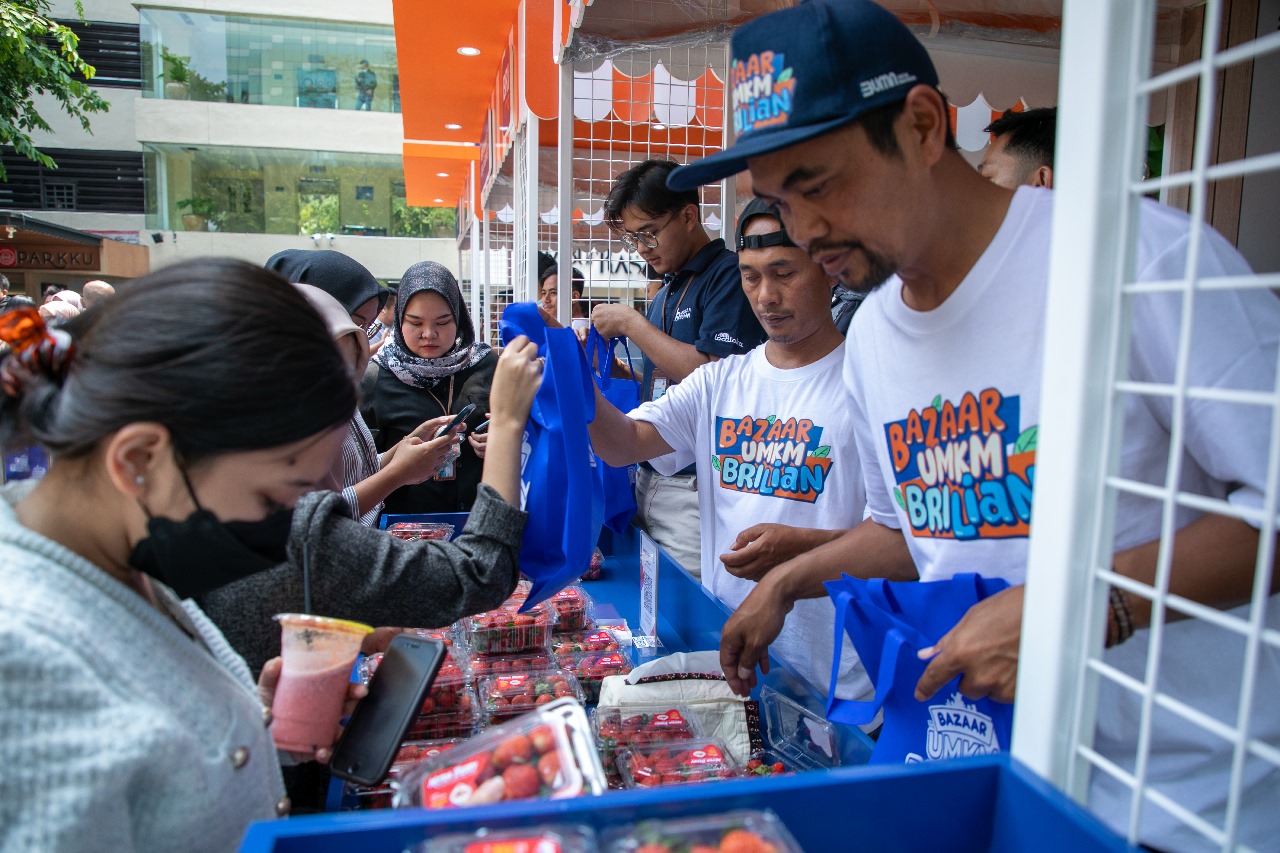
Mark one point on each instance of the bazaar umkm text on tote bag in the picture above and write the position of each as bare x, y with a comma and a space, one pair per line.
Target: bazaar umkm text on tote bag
560, 489
618, 483
889, 623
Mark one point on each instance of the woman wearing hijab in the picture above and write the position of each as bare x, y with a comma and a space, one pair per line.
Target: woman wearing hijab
360, 475
343, 278
432, 365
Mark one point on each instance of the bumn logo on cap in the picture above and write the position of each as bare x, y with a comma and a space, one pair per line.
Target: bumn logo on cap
762, 91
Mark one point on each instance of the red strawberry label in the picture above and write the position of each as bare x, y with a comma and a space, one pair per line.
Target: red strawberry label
707, 755
670, 719
599, 637
610, 660
453, 786
514, 845
508, 682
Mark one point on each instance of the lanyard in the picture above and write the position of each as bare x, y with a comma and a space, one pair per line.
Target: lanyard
666, 327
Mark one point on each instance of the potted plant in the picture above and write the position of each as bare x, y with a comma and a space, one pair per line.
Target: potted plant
177, 75
204, 212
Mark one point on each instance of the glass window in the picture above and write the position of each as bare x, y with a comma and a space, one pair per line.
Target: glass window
278, 191
273, 61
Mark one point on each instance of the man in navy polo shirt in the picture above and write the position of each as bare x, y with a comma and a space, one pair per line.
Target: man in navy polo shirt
699, 315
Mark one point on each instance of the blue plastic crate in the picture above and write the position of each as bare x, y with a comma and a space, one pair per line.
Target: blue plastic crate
961, 806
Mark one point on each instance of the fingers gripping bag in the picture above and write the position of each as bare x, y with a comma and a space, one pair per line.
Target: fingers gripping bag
618, 483
560, 489
889, 623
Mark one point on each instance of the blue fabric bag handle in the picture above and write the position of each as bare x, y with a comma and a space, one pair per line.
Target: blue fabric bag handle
561, 490
888, 623
624, 394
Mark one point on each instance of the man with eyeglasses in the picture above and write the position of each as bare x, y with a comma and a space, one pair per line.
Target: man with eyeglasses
699, 315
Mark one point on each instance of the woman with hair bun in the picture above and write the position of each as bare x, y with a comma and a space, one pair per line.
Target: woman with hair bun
127, 722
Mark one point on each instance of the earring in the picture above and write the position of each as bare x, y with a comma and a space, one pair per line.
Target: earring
139, 479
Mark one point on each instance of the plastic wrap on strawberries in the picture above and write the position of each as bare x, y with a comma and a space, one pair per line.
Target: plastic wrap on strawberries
545, 754
676, 764
447, 689
482, 665
506, 631
573, 608
571, 642
506, 696
591, 668
640, 726
417, 531
542, 839
461, 719
411, 752
732, 832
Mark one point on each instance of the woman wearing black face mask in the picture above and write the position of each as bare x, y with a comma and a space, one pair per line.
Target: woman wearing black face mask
126, 720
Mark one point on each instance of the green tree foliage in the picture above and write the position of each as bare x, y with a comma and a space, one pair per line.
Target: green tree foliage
318, 214
409, 221
39, 56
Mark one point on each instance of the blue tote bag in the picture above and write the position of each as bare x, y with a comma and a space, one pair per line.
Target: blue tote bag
618, 483
888, 623
560, 489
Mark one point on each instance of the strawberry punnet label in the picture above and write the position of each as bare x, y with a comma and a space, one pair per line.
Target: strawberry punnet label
707, 755
453, 785
507, 682
515, 845
610, 660
669, 720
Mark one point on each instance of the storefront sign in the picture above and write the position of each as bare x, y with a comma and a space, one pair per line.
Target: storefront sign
51, 258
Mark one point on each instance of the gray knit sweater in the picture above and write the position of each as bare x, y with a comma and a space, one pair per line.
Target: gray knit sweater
365, 574
119, 730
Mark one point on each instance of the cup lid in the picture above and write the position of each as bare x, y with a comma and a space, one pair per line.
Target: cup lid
324, 623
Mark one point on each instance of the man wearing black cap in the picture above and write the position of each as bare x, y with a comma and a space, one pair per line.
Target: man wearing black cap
767, 443
839, 119
699, 315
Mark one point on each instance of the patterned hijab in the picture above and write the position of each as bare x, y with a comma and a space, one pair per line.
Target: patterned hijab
413, 369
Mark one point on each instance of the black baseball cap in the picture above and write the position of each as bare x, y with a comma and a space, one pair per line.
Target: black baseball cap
759, 207
800, 72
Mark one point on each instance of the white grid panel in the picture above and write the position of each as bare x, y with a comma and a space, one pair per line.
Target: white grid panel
659, 102
1065, 677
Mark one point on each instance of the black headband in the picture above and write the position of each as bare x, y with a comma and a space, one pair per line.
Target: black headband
764, 241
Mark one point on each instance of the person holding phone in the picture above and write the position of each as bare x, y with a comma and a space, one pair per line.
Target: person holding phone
432, 365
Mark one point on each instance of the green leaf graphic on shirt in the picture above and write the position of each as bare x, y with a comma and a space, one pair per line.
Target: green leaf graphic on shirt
1027, 441
822, 452
937, 402
772, 418
715, 462
784, 76
897, 494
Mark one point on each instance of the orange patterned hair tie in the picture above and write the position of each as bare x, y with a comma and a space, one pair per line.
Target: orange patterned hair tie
35, 349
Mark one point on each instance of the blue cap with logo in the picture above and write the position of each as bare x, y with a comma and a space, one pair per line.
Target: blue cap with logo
800, 72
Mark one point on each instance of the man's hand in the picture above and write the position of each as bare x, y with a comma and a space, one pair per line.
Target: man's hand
745, 639
759, 548
615, 320
267, 683
984, 646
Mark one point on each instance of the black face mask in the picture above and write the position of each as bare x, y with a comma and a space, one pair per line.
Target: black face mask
201, 553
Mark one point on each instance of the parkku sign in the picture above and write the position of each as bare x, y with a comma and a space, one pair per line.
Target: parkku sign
51, 258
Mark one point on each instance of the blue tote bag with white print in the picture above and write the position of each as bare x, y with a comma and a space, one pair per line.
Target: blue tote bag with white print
560, 489
618, 484
888, 622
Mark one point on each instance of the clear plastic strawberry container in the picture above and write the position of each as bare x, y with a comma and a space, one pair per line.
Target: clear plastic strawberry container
447, 690
507, 631
591, 668
616, 729
482, 665
420, 531
542, 839
545, 754
732, 832
459, 720
703, 760
573, 608
796, 739
586, 640
411, 752
506, 696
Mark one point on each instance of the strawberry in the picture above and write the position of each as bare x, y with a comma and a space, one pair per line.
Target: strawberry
522, 782
542, 739
549, 768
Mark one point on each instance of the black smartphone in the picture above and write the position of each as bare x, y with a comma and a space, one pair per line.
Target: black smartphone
480, 429
381, 721
457, 419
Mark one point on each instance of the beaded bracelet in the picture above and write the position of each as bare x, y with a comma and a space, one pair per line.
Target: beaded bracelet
1119, 618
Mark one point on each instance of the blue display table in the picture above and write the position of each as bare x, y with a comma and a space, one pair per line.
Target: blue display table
978, 804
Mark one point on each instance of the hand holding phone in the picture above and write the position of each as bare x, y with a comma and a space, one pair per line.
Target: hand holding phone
381, 721
457, 419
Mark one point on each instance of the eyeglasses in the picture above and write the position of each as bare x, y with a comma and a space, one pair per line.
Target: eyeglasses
632, 240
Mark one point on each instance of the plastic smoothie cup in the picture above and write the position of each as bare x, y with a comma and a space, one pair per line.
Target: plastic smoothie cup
318, 654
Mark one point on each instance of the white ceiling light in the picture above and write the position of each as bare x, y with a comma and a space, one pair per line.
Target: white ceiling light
442, 174
469, 51
453, 127
439, 201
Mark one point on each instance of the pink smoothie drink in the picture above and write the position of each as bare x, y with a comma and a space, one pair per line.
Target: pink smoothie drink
318, 654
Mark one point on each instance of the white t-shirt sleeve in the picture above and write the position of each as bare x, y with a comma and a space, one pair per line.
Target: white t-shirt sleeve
1234, 340
676, 415
880, 506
